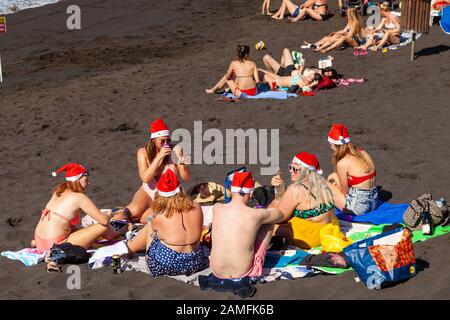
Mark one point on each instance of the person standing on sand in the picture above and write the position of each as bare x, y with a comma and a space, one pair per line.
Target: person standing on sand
60, 220
241, 235
245, 75
153, 160
353, 180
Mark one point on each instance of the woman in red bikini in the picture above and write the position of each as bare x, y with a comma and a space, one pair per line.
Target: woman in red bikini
245, 73
152, 160
353, 182
61, 217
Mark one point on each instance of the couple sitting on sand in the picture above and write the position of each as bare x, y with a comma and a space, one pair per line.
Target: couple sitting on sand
172, 236
360, 38
315, 9
242, 75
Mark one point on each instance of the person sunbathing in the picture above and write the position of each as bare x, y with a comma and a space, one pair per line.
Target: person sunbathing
389, 26
328, 40
357, 37
240, 234
317, 10
172, 238
297, 81
286, 67
60, 220
245, 75
307, 204
152, 160
353, 181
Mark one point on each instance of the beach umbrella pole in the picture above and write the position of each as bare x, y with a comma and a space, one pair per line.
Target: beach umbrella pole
1, 71
413, 45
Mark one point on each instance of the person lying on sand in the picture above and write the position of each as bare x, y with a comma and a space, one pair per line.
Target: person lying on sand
60, 220
152, 160
316, 9
240, 234
389, 26
307, 204
172, 237
286, 67
353, 180
276, 81
244, 72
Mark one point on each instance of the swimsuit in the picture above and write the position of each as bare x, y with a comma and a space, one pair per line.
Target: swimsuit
43, 244
164, 261
352, 181
311, 213
294, 80
285, 71
249, 92
323, 16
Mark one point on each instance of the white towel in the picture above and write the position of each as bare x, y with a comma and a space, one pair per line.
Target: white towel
28, 256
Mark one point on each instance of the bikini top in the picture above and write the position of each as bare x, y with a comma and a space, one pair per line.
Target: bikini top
46, 213
315, 6
314, 212
352, 181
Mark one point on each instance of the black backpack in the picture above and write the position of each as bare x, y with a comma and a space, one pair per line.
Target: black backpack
262, 196
67, 253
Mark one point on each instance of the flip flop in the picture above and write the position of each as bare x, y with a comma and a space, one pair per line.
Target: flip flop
356, 52
363, 52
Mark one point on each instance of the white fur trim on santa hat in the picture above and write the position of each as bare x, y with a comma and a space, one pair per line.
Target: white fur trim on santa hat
162, 133
75, 178
340, 141
239, 189
54, 174
300, 162
170, 193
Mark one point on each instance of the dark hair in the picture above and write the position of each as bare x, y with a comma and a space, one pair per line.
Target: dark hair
333, 72
317, 77
242, 52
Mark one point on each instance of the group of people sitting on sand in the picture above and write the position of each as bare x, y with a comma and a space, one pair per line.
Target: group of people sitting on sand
315, 9
240, 235
243, 75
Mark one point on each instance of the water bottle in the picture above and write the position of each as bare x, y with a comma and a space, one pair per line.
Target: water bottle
441, 202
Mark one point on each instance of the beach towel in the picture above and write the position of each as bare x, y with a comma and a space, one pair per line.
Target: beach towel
405, 39
347, 82
445, 20
102, 257
28, 256
386, 213
283, 258
280, 95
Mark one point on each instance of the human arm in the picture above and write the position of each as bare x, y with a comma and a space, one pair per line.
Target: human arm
230, 71
342, 173
148, 172
91, 210
289, 202
183, 163
380, 26
256, 74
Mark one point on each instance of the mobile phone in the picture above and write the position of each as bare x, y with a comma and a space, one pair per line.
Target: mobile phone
118, 224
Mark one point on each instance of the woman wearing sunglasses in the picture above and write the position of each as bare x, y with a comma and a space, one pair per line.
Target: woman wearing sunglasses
60, 220
307, 203
152, 160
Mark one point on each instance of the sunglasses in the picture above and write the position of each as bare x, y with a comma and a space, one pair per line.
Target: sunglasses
163, 141
293, 169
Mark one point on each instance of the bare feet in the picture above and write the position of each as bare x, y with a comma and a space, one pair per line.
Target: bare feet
209, 91
33, 244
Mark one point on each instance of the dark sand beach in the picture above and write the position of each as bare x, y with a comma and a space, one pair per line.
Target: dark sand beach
89, 96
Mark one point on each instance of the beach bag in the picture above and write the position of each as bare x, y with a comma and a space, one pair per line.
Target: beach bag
67, 253
383, 259
215, 194
332, 239
413, 216
205, 238
262, 197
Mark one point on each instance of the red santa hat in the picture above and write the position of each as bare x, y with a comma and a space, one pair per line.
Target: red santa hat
242, 182
338, 134
308, 160
168, 185
159, 129
73, 171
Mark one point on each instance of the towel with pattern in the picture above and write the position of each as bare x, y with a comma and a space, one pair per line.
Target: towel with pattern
28, 256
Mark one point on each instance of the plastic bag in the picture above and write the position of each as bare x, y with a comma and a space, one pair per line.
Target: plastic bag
332, 239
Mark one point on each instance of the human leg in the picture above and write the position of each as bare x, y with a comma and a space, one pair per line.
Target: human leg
141, 201
220, 84
140, 241
271, 64
85, 237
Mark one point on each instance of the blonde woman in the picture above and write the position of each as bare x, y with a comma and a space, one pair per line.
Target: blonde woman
389, 26
60, 220
307, 203
353, 182
152, 161
172, 237
357, 36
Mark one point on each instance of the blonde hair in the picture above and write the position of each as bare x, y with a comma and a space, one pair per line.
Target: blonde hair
354, 22
316, 187
178, 203
345, 149
74, 186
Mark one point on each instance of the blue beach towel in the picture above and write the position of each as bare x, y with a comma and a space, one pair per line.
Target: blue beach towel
445, 19
280, 259
263, 95
386, 213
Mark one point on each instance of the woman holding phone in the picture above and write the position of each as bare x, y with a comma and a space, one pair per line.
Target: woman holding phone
153, 160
